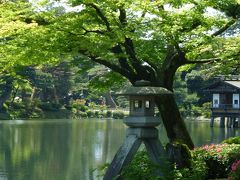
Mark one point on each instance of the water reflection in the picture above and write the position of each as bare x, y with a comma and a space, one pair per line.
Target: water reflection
73, 149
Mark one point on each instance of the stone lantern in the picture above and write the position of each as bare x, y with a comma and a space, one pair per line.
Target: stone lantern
141, 124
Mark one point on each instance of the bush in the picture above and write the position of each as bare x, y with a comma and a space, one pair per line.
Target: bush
48, 106
90, 114
80, 105
140, 168
83, 108
74, 110
208, 162
108, 114
82, 114
206, 111
118, 114
232, 140
198, 171
235, 171
218, 158
96, 114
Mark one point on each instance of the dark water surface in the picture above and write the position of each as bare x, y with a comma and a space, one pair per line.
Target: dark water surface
73, 149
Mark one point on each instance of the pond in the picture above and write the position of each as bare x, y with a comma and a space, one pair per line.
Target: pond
73, 149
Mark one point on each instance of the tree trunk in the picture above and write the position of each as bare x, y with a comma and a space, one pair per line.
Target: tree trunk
172, 120
32, 95
6, 93
55, 96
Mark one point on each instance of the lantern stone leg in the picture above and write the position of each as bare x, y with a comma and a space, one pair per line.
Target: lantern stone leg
134, 138
123, 156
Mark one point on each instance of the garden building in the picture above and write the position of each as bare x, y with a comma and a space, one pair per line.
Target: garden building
225, 102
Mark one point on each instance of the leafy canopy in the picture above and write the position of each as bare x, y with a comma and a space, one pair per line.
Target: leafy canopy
126, 36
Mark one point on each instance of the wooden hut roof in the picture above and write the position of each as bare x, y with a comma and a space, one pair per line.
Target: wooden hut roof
234, 83
224, 86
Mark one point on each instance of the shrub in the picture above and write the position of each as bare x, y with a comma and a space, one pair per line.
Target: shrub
48, 106
90, 114
118, 114
235, 171
74, 110
218, 158
109, 114
80, 105
232, 140
82, 114
96, 114
206, 112
198, 171
140, 168
83, 108
100, 114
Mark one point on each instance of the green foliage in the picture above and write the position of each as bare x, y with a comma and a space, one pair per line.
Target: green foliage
118, 114
82, 114
90, 114
109, 113
187, 101
197, 171
235, 171
218, 158
232, 140
25, 110
208, 162
180, 154
206, 112
49, 106
140, 168
96, 114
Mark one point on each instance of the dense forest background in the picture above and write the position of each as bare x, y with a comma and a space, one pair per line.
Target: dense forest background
66, 90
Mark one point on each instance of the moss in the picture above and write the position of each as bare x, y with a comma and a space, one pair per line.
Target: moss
180, 154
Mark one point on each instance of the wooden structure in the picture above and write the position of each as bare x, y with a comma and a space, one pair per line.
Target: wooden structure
141, 122
225, 102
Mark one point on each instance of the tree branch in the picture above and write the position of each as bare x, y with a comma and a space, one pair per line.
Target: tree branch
100, 14
122, 16
115, 68
224, 28
202, 61
131, 76
122, 60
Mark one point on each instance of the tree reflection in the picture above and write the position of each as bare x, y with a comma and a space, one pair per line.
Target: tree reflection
73, 149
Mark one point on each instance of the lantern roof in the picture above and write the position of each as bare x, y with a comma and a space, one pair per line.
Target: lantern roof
142, 88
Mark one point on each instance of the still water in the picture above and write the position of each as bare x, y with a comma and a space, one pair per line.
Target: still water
74, 149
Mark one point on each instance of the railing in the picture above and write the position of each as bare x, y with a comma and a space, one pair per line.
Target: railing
225, 106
